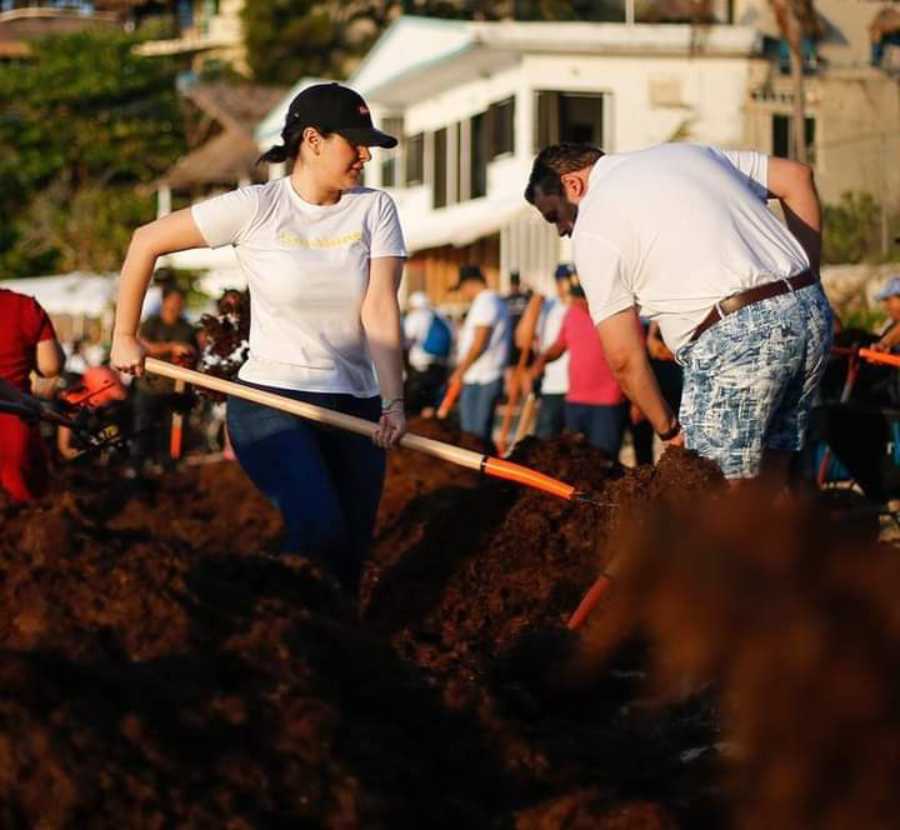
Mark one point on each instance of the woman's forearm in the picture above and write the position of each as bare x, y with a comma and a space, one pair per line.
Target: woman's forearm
381, 322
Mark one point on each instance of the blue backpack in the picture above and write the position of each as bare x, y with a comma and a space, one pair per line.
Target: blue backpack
439, 339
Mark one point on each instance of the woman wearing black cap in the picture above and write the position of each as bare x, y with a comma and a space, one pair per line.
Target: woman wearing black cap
323, 258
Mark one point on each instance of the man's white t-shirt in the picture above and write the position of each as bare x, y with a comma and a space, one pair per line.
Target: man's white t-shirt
556, 374
674, 229
415, 329
487, 310
307, 267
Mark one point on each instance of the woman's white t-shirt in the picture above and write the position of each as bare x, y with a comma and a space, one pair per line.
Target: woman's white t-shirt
307, 267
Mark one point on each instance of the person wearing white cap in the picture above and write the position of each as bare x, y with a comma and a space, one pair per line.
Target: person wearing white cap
889, 296
428, 341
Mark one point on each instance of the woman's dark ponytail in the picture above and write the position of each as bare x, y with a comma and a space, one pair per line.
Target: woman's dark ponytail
291, 139
275, 155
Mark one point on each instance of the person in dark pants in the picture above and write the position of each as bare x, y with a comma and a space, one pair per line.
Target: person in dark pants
429, 342
669, 377
595, 404
484, 344
546, 321
167, 336
323, 258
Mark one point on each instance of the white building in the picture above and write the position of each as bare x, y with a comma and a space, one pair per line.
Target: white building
474, 101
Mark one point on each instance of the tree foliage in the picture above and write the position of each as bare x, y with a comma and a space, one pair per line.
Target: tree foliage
84, 121
851, 229
289, 39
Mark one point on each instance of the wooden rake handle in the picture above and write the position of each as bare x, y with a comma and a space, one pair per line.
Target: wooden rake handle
438, 449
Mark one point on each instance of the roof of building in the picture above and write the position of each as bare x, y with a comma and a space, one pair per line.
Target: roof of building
417, 55
235, 106
231, 155
226, 159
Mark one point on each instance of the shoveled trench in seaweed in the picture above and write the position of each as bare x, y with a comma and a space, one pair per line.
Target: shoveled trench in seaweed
162, 665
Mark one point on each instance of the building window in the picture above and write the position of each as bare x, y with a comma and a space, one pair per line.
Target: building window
570, 117
502, 117
415, 159
478, 155
389, 172
390, 158
783, 133
439, 177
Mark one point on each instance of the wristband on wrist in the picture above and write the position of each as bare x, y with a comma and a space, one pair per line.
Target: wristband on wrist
669, 434
388, 405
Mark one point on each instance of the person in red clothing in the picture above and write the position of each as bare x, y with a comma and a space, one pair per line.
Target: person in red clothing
595, 403
27, 344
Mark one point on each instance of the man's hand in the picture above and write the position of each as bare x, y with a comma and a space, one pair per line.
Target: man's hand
182, 350
677, 441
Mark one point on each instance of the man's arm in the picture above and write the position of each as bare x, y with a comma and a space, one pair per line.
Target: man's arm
49, 358
793, 184
525, 330
626, 354
555, 352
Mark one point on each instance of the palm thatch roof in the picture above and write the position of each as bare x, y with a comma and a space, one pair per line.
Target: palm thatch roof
229, 156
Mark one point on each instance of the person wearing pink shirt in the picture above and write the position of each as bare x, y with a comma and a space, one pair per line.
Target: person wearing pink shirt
595, 404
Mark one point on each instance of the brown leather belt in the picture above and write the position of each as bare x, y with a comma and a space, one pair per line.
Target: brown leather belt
753, 295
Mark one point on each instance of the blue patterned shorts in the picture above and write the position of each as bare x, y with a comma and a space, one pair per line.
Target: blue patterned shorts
750, 380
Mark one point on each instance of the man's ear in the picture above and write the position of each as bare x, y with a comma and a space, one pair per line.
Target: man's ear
573, 185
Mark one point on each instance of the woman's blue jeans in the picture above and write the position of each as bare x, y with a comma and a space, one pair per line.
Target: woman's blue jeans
326, 482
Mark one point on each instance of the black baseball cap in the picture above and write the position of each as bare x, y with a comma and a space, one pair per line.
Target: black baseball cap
338, 109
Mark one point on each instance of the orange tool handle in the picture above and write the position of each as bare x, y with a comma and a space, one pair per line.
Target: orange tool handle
593, 596
880, 357
498, 468
176, 434
449, 400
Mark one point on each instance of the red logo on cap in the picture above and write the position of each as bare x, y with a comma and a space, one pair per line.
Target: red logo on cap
363, 110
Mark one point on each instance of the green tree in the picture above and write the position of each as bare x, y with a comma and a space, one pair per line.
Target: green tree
287, 39
851, 229
84, 116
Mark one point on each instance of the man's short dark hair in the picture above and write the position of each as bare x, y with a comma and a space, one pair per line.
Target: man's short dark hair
555, 161
471, 272
169, 290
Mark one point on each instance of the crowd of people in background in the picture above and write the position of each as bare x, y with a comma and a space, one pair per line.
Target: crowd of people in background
564, 369
523, 343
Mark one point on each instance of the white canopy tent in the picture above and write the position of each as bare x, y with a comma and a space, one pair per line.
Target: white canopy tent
79, 295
